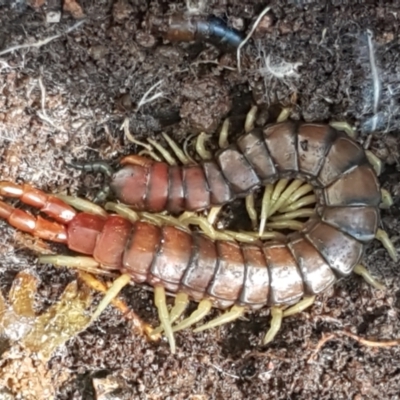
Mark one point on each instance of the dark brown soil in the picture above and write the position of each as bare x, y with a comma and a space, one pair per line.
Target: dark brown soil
95, 76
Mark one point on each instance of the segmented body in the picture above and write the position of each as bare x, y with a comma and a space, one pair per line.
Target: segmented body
331, 242
273, 273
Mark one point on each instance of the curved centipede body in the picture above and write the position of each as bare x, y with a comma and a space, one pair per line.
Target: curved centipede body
225, 273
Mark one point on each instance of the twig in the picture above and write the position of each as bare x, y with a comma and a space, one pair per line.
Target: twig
362, 341
250, 34
374, 72
43, 42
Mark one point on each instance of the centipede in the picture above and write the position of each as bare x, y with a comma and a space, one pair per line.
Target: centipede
236, 272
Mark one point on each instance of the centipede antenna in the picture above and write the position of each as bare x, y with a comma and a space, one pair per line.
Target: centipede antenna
82, 204
234, 313
250, 119
265, 206
251, 210
250, 34
299, 307
383, 237
164, 152
201, 147
177, 150
102, 167
276, 323
111, 294
362, 271
202, 310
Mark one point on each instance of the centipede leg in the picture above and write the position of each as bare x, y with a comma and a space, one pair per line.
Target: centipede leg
223, 142
362, 271
180, 305
251, 211
82, 204
276, 323
387, 200
344, 127
265, 206
141, 326
202, 310
83, 263
179, 153
383, 237
250, 119
234, 313
160, 302
111, 294
374, 161
299, 307
201, 147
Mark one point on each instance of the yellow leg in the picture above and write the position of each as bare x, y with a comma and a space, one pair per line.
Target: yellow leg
300, 213
362, 271
299, 307
287, 224
250, 119
161, 304
201, 147
82, 263
182, 157
278, 189
304, 201
284, 114
213, 214
164, 152
383, 237
285, 196
345, 127
203, 309
123, 210
300, 192
374, 161
276, 323
111, 294
223, 135
180, 305
151, 154
251, 211
387, 200
265, 207
234, 313
82, 205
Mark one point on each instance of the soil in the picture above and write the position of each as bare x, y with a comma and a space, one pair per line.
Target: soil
67, 98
